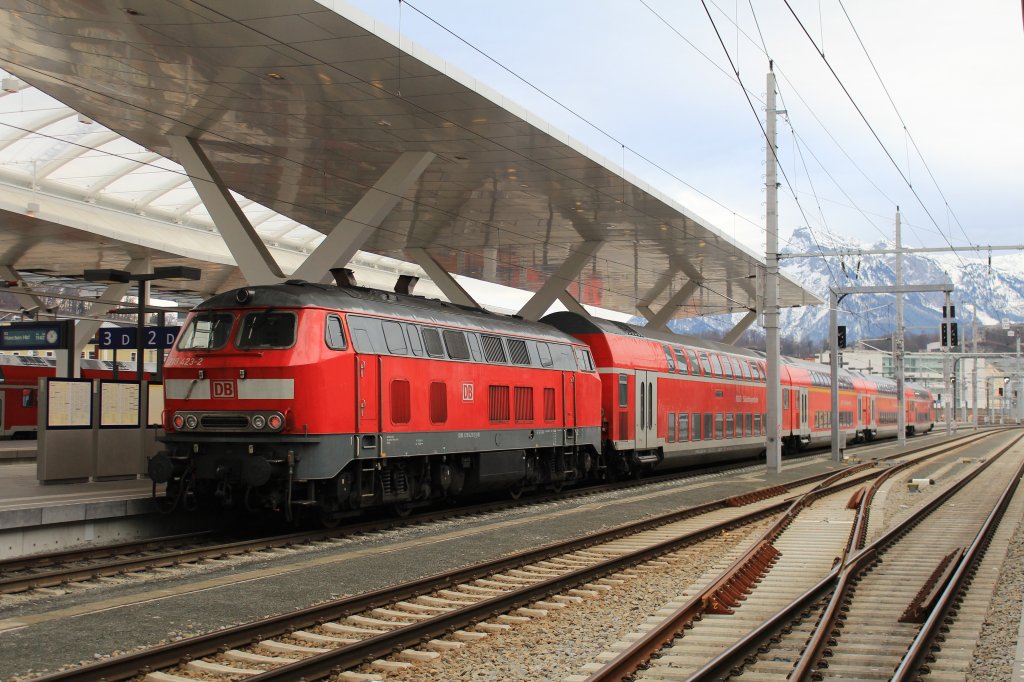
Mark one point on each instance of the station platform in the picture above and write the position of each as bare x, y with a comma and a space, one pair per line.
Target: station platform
17, 451
39, 518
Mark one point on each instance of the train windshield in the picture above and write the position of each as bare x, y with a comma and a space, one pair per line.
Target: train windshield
267, 329
206, 331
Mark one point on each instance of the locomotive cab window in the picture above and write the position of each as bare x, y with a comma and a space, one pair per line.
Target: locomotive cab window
583, 360
545, 355
266, 329
334, 333
206, 331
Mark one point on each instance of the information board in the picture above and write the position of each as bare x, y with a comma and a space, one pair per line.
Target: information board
156, 405
121, 338
68, 403
119, 403
36, 335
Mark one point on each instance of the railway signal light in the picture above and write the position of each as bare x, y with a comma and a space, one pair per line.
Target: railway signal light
841, 335
1000, 392
953, 337
945, 337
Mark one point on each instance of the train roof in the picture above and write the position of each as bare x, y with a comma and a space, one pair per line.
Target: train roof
360, 300
573, 323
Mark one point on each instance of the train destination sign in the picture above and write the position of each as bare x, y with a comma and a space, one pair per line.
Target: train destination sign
36, 335
120, 338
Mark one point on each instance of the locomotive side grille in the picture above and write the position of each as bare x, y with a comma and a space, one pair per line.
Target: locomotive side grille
401, 402
524, 403
224, 421
438, 402
499, 407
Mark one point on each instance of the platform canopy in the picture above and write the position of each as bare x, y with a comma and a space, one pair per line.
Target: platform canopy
303, 106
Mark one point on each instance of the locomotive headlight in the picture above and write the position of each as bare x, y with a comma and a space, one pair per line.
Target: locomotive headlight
191, 421
275, 421
258, 422
178, 421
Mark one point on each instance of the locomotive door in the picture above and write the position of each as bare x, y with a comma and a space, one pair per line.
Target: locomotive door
646, 404
368, 393
569, 399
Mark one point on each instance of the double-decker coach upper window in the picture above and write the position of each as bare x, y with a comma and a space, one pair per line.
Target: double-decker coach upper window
206, 331
669, 357
334, 333
267, 329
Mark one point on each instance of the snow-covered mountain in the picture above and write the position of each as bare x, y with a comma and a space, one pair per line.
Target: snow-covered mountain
997, 290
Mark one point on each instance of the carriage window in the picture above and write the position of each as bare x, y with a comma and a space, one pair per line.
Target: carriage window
719, 426
206, 331
729, 433
681, 358
493, 350
623, 390
709, 425
749, 431
456, 344
267, 329
432, 342
545, 355
726, 366
696, 425
671, 360
334, 334
745, 369
705, 364
671, 423
757, 423
694, 364
395, 338
517, 352
684, 427
716, 366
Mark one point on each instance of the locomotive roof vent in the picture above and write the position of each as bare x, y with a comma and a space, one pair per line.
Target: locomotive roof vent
344, 277
405, 284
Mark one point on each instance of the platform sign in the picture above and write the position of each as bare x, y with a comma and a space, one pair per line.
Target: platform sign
121, 338
36, 335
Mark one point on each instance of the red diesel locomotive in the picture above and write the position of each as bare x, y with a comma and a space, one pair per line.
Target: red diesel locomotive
339, 398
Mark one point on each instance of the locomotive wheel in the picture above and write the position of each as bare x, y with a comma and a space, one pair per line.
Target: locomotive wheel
330, 520
516, 491
401, 509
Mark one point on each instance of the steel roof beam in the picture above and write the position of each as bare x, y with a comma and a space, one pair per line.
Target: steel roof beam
248, 250
448, 285
560, 280
365, 217
736, 332
32, 305
673, 304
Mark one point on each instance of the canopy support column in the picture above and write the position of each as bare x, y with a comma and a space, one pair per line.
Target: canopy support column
248, 250
736, 332
560, 280
572, 305
441, 277
349, 235
673, 304
644, 305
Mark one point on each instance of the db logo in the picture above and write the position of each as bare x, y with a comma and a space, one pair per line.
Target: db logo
223, 389
467, 393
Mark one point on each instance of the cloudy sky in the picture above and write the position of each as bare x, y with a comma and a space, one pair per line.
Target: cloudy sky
648, 83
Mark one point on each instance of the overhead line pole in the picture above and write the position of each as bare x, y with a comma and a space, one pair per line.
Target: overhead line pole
901, 407
773, 445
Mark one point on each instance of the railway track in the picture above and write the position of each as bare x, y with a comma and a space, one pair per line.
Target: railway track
727, 627
55, 570
417, 622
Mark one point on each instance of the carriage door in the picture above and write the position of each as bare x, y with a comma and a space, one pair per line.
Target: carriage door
873, 417
368, 395
646, 404
803, 410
